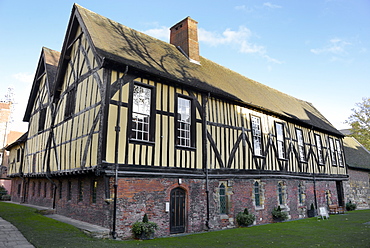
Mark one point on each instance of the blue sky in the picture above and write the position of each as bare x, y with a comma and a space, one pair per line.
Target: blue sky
317, 51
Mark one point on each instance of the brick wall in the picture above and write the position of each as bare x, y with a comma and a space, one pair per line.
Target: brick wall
137, 196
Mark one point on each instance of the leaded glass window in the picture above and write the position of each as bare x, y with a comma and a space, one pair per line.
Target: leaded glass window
339, 153
257, 135
257, 194
223, 199
184, 122
333, 153
60, 190
69, 191
141, 113
320, 155
300, 194
301, 149
94, 187
80, 190
280, 139
281, 194
70, 102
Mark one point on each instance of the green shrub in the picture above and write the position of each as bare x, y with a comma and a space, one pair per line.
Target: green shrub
5, 198
144, 229
279, 215
245, 218
145, 218
350, 206
3, 191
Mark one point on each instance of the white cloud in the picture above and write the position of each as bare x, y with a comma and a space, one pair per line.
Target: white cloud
23, 77
240, 39
272, 6
241, 7
162, 33
227, 37
335, 46
244, 8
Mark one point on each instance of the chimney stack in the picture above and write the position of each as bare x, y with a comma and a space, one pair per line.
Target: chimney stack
184, 35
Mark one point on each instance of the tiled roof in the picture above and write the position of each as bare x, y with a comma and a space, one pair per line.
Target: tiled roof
356, 155
117, 43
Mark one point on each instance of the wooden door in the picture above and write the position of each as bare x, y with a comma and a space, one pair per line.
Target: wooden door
177, 211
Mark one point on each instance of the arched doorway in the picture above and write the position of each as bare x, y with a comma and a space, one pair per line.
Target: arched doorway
177, 211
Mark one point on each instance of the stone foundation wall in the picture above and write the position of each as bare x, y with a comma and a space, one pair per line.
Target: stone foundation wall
357, 189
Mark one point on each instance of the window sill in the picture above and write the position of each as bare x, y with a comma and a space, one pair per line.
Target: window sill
224, 216
189, 148
143, 142
259, 208
283, 159
259, 156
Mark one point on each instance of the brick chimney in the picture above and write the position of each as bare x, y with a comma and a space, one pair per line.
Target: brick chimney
184, 35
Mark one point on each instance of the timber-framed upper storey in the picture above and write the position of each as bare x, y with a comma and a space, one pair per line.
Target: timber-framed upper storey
137, 104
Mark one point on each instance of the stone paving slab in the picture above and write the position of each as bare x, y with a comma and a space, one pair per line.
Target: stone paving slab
10, 236
92, 230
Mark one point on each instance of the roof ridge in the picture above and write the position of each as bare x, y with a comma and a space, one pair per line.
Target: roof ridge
119, 44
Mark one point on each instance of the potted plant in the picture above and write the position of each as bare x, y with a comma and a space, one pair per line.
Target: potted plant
311, 211
279, 215
144, 229
245, 219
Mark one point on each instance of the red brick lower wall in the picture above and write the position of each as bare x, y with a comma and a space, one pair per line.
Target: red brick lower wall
137, 196
40, 192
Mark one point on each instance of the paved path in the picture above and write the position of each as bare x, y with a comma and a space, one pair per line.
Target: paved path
10, 236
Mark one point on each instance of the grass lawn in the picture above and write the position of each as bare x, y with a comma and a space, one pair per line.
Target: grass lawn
345, 230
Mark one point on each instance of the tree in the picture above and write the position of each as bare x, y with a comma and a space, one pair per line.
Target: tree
360, 122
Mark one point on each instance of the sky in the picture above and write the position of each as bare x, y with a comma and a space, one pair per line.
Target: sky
317, 51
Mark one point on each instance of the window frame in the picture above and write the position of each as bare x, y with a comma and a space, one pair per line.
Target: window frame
333, 152
339, 153
45, 189
257, 195
300, 194
94, 190
70, 104
280, 143
319, 148
42, 119
152, 114
60, 189
80, 191
256, 136
69, 191
18, 155
223, 199
192, 129
301, 146
281, 191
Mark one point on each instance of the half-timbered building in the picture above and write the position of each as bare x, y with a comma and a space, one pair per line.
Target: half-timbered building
122, 124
